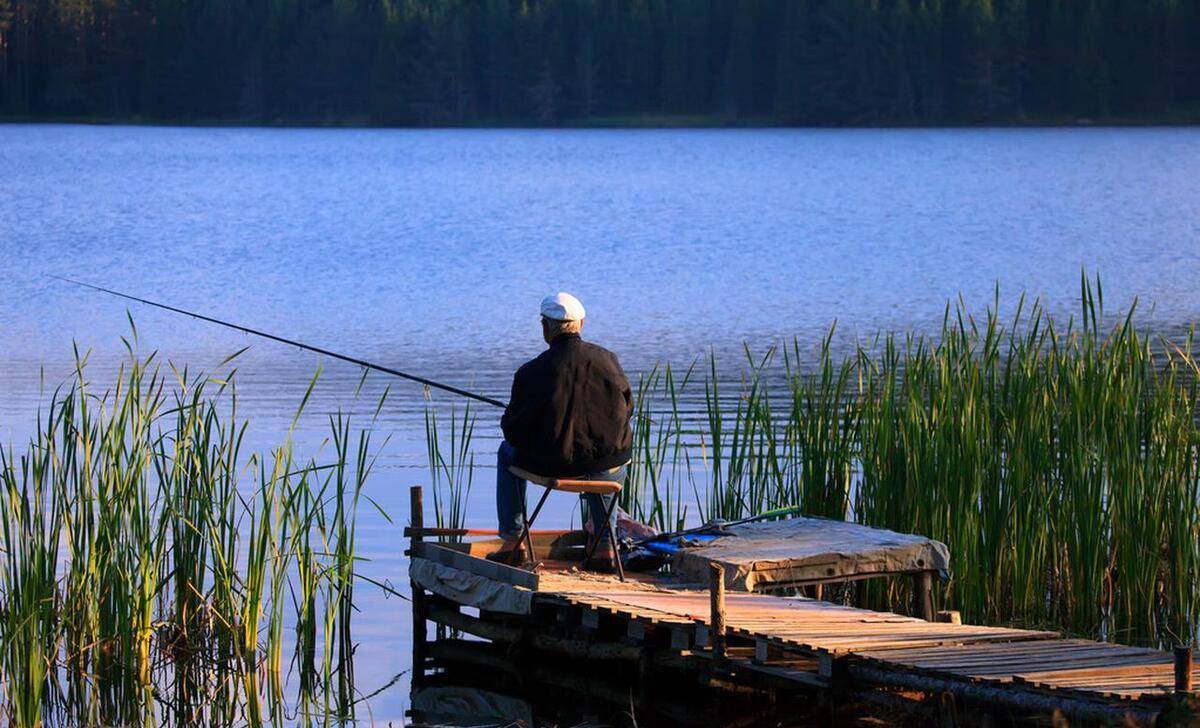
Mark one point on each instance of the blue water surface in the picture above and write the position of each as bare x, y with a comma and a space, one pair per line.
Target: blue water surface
428, 250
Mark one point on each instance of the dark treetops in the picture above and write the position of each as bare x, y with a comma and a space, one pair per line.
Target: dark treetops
433, 62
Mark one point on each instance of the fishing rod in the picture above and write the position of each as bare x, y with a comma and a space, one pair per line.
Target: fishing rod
717, 525
291, 342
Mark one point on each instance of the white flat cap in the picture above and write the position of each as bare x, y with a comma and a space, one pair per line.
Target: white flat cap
562, 307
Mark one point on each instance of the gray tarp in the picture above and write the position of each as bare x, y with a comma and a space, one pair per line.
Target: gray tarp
473, 590
759, 556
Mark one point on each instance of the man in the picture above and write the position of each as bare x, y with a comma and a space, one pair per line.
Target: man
568, 416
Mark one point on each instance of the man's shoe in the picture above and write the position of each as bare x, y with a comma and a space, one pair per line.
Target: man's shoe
512, 553
601, 560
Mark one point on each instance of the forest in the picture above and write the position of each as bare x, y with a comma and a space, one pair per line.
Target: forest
614, 62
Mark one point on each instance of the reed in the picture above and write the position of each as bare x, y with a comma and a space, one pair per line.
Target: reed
819, 433
142, 584
1060, 461
653, 492
451, 467
29, 630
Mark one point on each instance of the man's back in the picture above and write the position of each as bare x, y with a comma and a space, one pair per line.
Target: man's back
569, 410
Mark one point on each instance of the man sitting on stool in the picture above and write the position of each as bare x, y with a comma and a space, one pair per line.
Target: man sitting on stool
568, 416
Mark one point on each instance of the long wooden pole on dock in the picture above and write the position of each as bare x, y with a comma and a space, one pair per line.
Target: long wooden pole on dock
1183, 669
716, 576
923, 595
416, 519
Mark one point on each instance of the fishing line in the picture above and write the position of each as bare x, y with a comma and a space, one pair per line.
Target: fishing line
292, 342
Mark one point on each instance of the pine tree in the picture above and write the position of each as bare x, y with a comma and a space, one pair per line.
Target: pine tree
899, 102
587, 69
790, 80
7, 16
928, 65
1089, 80
978, 88
546, 95
1011, 55
675, 53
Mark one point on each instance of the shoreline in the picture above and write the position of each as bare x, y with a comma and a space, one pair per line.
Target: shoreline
646, 122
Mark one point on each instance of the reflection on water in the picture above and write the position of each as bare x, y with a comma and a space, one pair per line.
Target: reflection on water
429, 250
477, 685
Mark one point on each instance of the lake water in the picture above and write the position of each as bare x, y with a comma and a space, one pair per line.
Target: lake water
430, 250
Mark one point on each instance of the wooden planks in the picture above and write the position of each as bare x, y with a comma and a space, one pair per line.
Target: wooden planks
893, 643
1080, 668
628, 611
808, 625
1120, 682
1006, 662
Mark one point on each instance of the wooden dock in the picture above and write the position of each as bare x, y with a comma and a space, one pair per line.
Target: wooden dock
796, 644
821, 644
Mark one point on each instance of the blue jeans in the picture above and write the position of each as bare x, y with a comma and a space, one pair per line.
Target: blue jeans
510, 492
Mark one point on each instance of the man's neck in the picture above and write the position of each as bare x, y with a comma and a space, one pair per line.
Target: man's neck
563, 338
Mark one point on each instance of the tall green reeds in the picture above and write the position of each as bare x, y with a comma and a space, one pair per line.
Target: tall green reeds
1059, 464
451, 467
1059, 460
654, 492
147, 565
29, 628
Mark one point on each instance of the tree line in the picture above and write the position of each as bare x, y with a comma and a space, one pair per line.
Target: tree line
434, 62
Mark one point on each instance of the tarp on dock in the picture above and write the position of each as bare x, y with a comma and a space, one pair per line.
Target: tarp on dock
474, 590
796, 551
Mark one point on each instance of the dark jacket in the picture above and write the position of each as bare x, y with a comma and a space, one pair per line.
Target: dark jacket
569, 411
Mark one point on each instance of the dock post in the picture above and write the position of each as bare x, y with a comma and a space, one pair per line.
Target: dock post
419, 635
716, 576
923, 595
1183, 669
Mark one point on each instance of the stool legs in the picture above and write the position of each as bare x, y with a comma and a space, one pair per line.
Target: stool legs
616, 550
527, 524
612, 540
